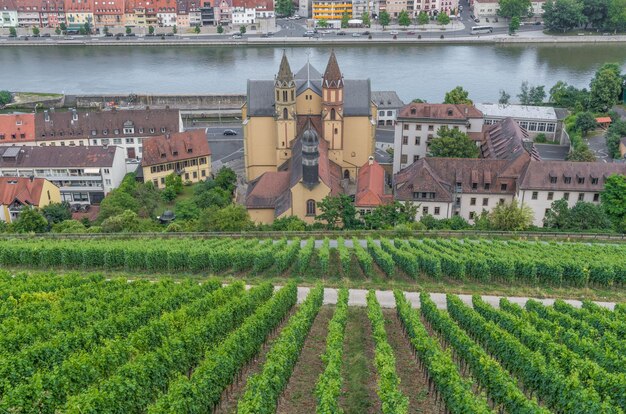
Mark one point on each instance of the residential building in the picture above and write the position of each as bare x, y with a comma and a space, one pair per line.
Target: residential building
166, 12
242, 16
141, 13
124, 128
52, 13
224, 12
534, 119
394, 7
79, 12
418, 123
207, 14
304, 8
84, 175
17, 129
331, 10
28, 13
8, 13
184, 153
506, 140
19, 192
372, 190
490, 8
388, 103
305, 136
445, 187
108, 13
432, 7
359, 7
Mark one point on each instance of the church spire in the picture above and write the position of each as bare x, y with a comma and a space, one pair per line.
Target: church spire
332, 75
285, 76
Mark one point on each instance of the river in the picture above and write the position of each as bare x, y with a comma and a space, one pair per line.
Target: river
414, 71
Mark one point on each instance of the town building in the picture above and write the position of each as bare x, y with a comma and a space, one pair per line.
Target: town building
490, 8
388, 103
534, 119
17, 129
305, 8
184, 153
418, 123
372, 190
108, 13
166, 13
8, 13
19, 192
52, 13
242, 16
305, 136
78, 13
28, 13
394, 7
84, 175
124, 128
360, 7
432, 7
188, 13
506, 140
245, 12
207, 14
331, 10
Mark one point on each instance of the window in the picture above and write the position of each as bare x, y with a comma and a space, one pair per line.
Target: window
186, 176
416, 158
550, 195
418, 127
535, 195
195, 174
473, 201
117, 132
389, 113
485, 201
553, 180
474, 186
501, 201
594, 180
403, 159
413, 111
152, 130
333, 114
541, 127
406, 127
141, 130
472, 215
381, 113
567, 180
117, 141
581, 197
418, 140
405, 140
285, 113
163, 180
107, 181
94, 141
581, 180
431, 128
565, 196
310, 207
93, 132
596, 197
503, 187
162, 129
532, 126
285, 96
487, 186
203, 173
128, 130
550, 128
424, 210
130, 140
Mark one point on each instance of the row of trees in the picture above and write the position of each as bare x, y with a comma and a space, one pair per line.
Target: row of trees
565, 15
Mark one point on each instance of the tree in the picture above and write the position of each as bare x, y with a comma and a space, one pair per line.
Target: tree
82, 31
148, 197
337, 211
106, 30
583, 216
35, 31
504, 97
226, 178
581, 153
514, 25
151, 30
5, 97
613, 198
422, 18
174, 29
242, 29
617, 15
57, 31
196, 30
187, 210
563, 15
443, 18
63, 27
384, 19
531, 95
175, 182
323, 23
616, 131
404, 19
220, 29
127, 221
606, 87
12, 32
233, 217
568, 96
116, 202
30, 220
290, 223
128, 30
87, 27
56, 212
284, 7
418, 100
452, 143
514, 8
388, 216
345, 18
367, 21
585, 122
511, 217
596, 12
457, 95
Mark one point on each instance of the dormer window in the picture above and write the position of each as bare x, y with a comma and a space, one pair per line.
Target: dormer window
163, 155
567, 180
105, 132
141, 130
413, 111
93, 132
18, 122
189, 150
594, 180
152, 130
580, 180
162, 129
450, 112
117, 132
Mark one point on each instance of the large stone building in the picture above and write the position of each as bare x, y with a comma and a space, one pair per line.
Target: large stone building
305, 136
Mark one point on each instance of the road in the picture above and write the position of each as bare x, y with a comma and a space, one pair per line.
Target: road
357, 297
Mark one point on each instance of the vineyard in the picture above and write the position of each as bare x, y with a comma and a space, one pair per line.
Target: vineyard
519, 262
75, 344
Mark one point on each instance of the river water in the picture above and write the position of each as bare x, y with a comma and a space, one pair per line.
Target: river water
414, 71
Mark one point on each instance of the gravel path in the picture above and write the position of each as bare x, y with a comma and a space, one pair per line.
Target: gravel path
385, 297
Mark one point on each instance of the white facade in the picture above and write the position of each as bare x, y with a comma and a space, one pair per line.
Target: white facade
28, 18
166, 19
243, 16
386, 117
195, 18
534, 119
468, 206
8, 18
489, 8
433, 7
540, 201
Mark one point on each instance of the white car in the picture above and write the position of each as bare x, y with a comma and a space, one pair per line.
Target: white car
356, 34
393, 32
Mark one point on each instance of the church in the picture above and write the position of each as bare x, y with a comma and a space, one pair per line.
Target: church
306, 136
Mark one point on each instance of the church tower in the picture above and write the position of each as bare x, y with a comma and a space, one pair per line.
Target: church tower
285, 115
332, 104
310, 157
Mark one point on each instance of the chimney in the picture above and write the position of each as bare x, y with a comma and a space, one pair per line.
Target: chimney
46, 116
370, 160
31, 178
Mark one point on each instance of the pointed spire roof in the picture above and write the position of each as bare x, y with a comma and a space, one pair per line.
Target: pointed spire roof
285, 76
332, 74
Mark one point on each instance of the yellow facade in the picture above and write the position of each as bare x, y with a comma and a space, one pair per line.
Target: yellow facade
330, 10
190, 170
259, 146
300, 195
50, 193
261, 215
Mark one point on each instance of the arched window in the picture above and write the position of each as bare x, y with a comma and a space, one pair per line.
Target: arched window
285, 96
292, 95
310, 207
332, 114
285, 113
278, 95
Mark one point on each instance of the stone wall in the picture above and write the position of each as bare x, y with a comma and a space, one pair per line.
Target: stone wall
185, 102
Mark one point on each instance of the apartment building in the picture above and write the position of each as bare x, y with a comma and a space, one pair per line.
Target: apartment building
84, 175
490, 8
8, 13
418, 123
78, 12
331, 10
388, 103
17, 129
16, 193
432, 7
186, 154
108, 13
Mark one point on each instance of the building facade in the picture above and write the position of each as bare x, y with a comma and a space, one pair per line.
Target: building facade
17, 129
84, 175
490, 8
108, 13
388, 103
184, 153
534, 119
418, 123
8, 13
79, 12
331, 10
16, 193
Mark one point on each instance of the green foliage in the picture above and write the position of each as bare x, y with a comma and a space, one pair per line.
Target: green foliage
616, 131
585, 122
404, 19
514, 25
422, 18
304, 256
242, 29
284, 7
457, 95
390, 215
581, 153
226, 179
563, 15
443, 18
233, 217
127, 221
30, 220
514, 8
567, 96
196, 30
57, 31
384, 19
87, 27
345, 18
36, 30
323, 256
596, 12
129, 30
174, 29
511, 217
115, 203
504, 97
151, 29
323, 23
613, 197
63, 26
583, 216
531, 95
69, 226
289, 223
12, 31
606, 87
337, 211
452, 143
175, 182
453, 223
367, 21
617, 15
187, 210
56, 212
220, 29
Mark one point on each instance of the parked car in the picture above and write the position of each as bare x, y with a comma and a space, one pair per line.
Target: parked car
36, 35
264, 35
366, 33
477, 20
24, 37
130, 34
12, 35
108, 34
230, 132
537, 23
356, 34
45, 35
410, 32
237, 36
150, 34
169, 34
341, 33
393, 32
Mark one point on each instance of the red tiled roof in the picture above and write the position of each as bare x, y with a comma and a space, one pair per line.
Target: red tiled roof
267, 5
538, 175
175, 147
603, 120
21, 189
371, 186
439, 111
18, 125
265, 190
